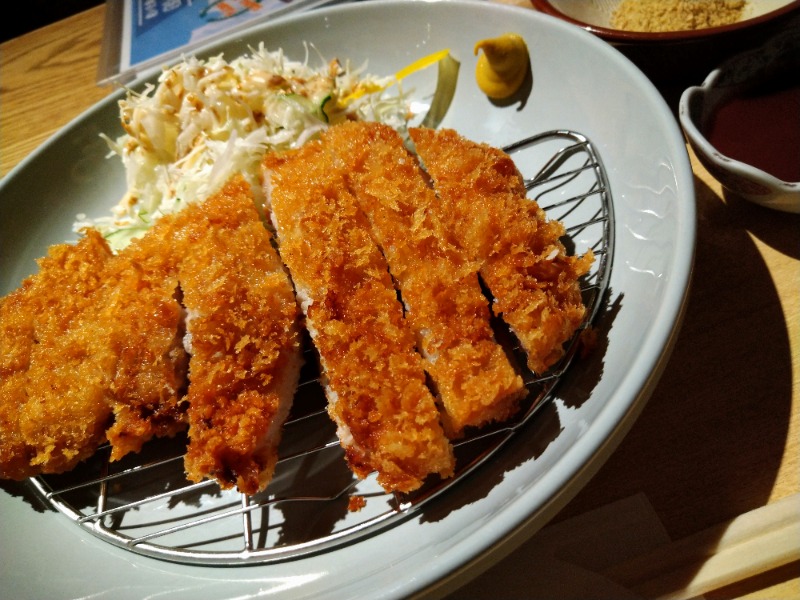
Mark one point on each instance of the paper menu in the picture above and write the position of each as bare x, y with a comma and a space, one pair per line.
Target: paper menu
142, 35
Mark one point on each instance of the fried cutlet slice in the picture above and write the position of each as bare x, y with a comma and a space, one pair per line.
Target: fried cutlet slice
124, 334
439, 286
55, 366
387, 419
142, 311
533, 280
243, 337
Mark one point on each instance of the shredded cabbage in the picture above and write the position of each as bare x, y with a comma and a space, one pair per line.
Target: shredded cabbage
206, 120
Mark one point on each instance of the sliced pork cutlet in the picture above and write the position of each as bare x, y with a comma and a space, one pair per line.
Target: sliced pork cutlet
533, 280
439, 286
243, 338
55, 365
387, 419
141, 310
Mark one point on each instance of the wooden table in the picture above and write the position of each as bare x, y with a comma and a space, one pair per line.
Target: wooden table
720, 435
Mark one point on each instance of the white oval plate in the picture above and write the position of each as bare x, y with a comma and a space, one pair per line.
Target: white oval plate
579, 83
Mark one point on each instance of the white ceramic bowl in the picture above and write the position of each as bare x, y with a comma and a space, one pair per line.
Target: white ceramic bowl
780, 57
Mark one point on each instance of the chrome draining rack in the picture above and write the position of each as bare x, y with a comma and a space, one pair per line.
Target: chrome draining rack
314, 504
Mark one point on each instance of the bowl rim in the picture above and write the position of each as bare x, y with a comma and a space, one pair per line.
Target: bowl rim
710, 152
644, 37
694, 130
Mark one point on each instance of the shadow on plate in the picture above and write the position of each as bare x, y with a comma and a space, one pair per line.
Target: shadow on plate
23, 490
543, 428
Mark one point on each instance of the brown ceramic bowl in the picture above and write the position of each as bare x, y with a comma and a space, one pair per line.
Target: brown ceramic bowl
677, 57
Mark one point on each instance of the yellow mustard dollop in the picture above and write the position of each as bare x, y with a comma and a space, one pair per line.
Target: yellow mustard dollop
502, 67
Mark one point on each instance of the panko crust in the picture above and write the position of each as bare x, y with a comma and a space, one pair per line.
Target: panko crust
244, 337
438, 283
55, 371
374, 379
196, 324
142, 308
534, 282
93, 348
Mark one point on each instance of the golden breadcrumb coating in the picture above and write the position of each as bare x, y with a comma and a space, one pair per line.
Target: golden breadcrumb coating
244, 340
374, 379
96, 348
523, 262
55, 368
118, 317
439, 286
142, 311
93, 348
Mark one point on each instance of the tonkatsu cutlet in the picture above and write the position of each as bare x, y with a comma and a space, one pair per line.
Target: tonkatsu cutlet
439, 286
93, 348
141, 310
55, 366
533, 280
387, 419
243, 337
104, 359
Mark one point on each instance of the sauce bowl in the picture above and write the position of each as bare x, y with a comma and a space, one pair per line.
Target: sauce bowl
760, 89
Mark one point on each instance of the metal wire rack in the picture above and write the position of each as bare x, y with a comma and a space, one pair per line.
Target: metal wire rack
314, 504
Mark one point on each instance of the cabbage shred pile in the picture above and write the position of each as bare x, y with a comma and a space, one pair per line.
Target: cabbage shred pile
207, 120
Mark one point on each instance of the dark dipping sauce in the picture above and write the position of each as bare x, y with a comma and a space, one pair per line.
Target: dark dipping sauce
761, 128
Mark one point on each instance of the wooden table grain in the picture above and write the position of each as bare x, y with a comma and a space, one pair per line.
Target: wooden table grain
719, 437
